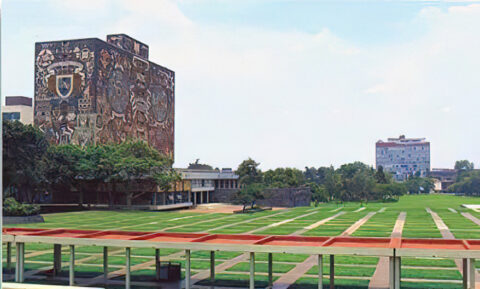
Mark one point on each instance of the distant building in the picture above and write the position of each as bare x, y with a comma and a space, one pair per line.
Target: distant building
18, 108
207, 184
403, 156
443, 178
90, 91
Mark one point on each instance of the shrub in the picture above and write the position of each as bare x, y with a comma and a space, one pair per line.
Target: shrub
13, 208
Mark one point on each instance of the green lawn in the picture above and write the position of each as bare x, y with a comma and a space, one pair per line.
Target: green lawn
351, 271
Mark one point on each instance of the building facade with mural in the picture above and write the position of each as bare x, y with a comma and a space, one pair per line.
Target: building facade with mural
91, 91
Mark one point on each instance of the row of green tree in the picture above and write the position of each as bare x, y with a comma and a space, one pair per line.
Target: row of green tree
31, 166
467, 181
350, 182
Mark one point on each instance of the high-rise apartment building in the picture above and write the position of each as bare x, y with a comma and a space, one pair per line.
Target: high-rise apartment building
403, 156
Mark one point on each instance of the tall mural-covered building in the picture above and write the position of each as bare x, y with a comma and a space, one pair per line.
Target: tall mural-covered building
90, 91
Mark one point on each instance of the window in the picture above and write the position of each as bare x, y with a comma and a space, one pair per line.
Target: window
11, 115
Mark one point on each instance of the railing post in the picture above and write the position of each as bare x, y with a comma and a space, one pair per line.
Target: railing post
19, 262
252, 270
472, 273
270, 270
9, 255
320, 272
397, 272
105, 263
22, 262
157, 264
187, 269
71, 275
465, 273
391, 272
57, 259
127, 268
332, 271
212, 266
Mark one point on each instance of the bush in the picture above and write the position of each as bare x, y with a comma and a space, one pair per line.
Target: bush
13, 208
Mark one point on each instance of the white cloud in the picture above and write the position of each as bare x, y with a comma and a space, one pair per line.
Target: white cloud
81, 6
290, 98
446, 109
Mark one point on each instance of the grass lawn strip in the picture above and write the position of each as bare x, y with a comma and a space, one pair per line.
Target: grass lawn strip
417, 226
301, 269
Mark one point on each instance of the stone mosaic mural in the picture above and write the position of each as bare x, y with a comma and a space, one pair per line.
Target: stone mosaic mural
90, 91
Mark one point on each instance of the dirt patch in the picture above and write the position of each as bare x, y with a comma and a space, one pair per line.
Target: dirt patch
219, 208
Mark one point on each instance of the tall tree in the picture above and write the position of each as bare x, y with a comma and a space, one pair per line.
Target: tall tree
120, 165
249, 194
284, 177
333, 184
464, 165
380, 176
418, 185
249, 172
24, 148
468, 185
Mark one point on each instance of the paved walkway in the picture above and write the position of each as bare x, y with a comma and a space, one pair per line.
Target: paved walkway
219, 268
293, 275
471, 218
204, 273
244, 257
446, 234
246, 221
357, 224
189, 224
101, 278
314, 225
280, 223
380, 279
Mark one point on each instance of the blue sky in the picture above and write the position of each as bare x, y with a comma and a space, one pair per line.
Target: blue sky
288, 83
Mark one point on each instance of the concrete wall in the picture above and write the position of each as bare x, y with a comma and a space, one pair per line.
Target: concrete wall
287, 197
26, 112
281, 197
224, 195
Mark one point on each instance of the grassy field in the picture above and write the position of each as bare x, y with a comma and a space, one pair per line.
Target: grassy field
350, 271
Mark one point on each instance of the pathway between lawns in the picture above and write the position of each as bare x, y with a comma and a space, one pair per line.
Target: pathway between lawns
380, 279
246, 221
65, 248
447, 234
289, 278
243, 257
280, 223
197, 277
471, 218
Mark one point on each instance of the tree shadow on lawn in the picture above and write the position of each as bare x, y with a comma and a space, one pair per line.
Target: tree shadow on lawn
232, 283
325, 285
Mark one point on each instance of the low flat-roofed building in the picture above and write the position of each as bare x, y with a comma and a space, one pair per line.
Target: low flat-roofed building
18, 108
204, 182
443, 178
